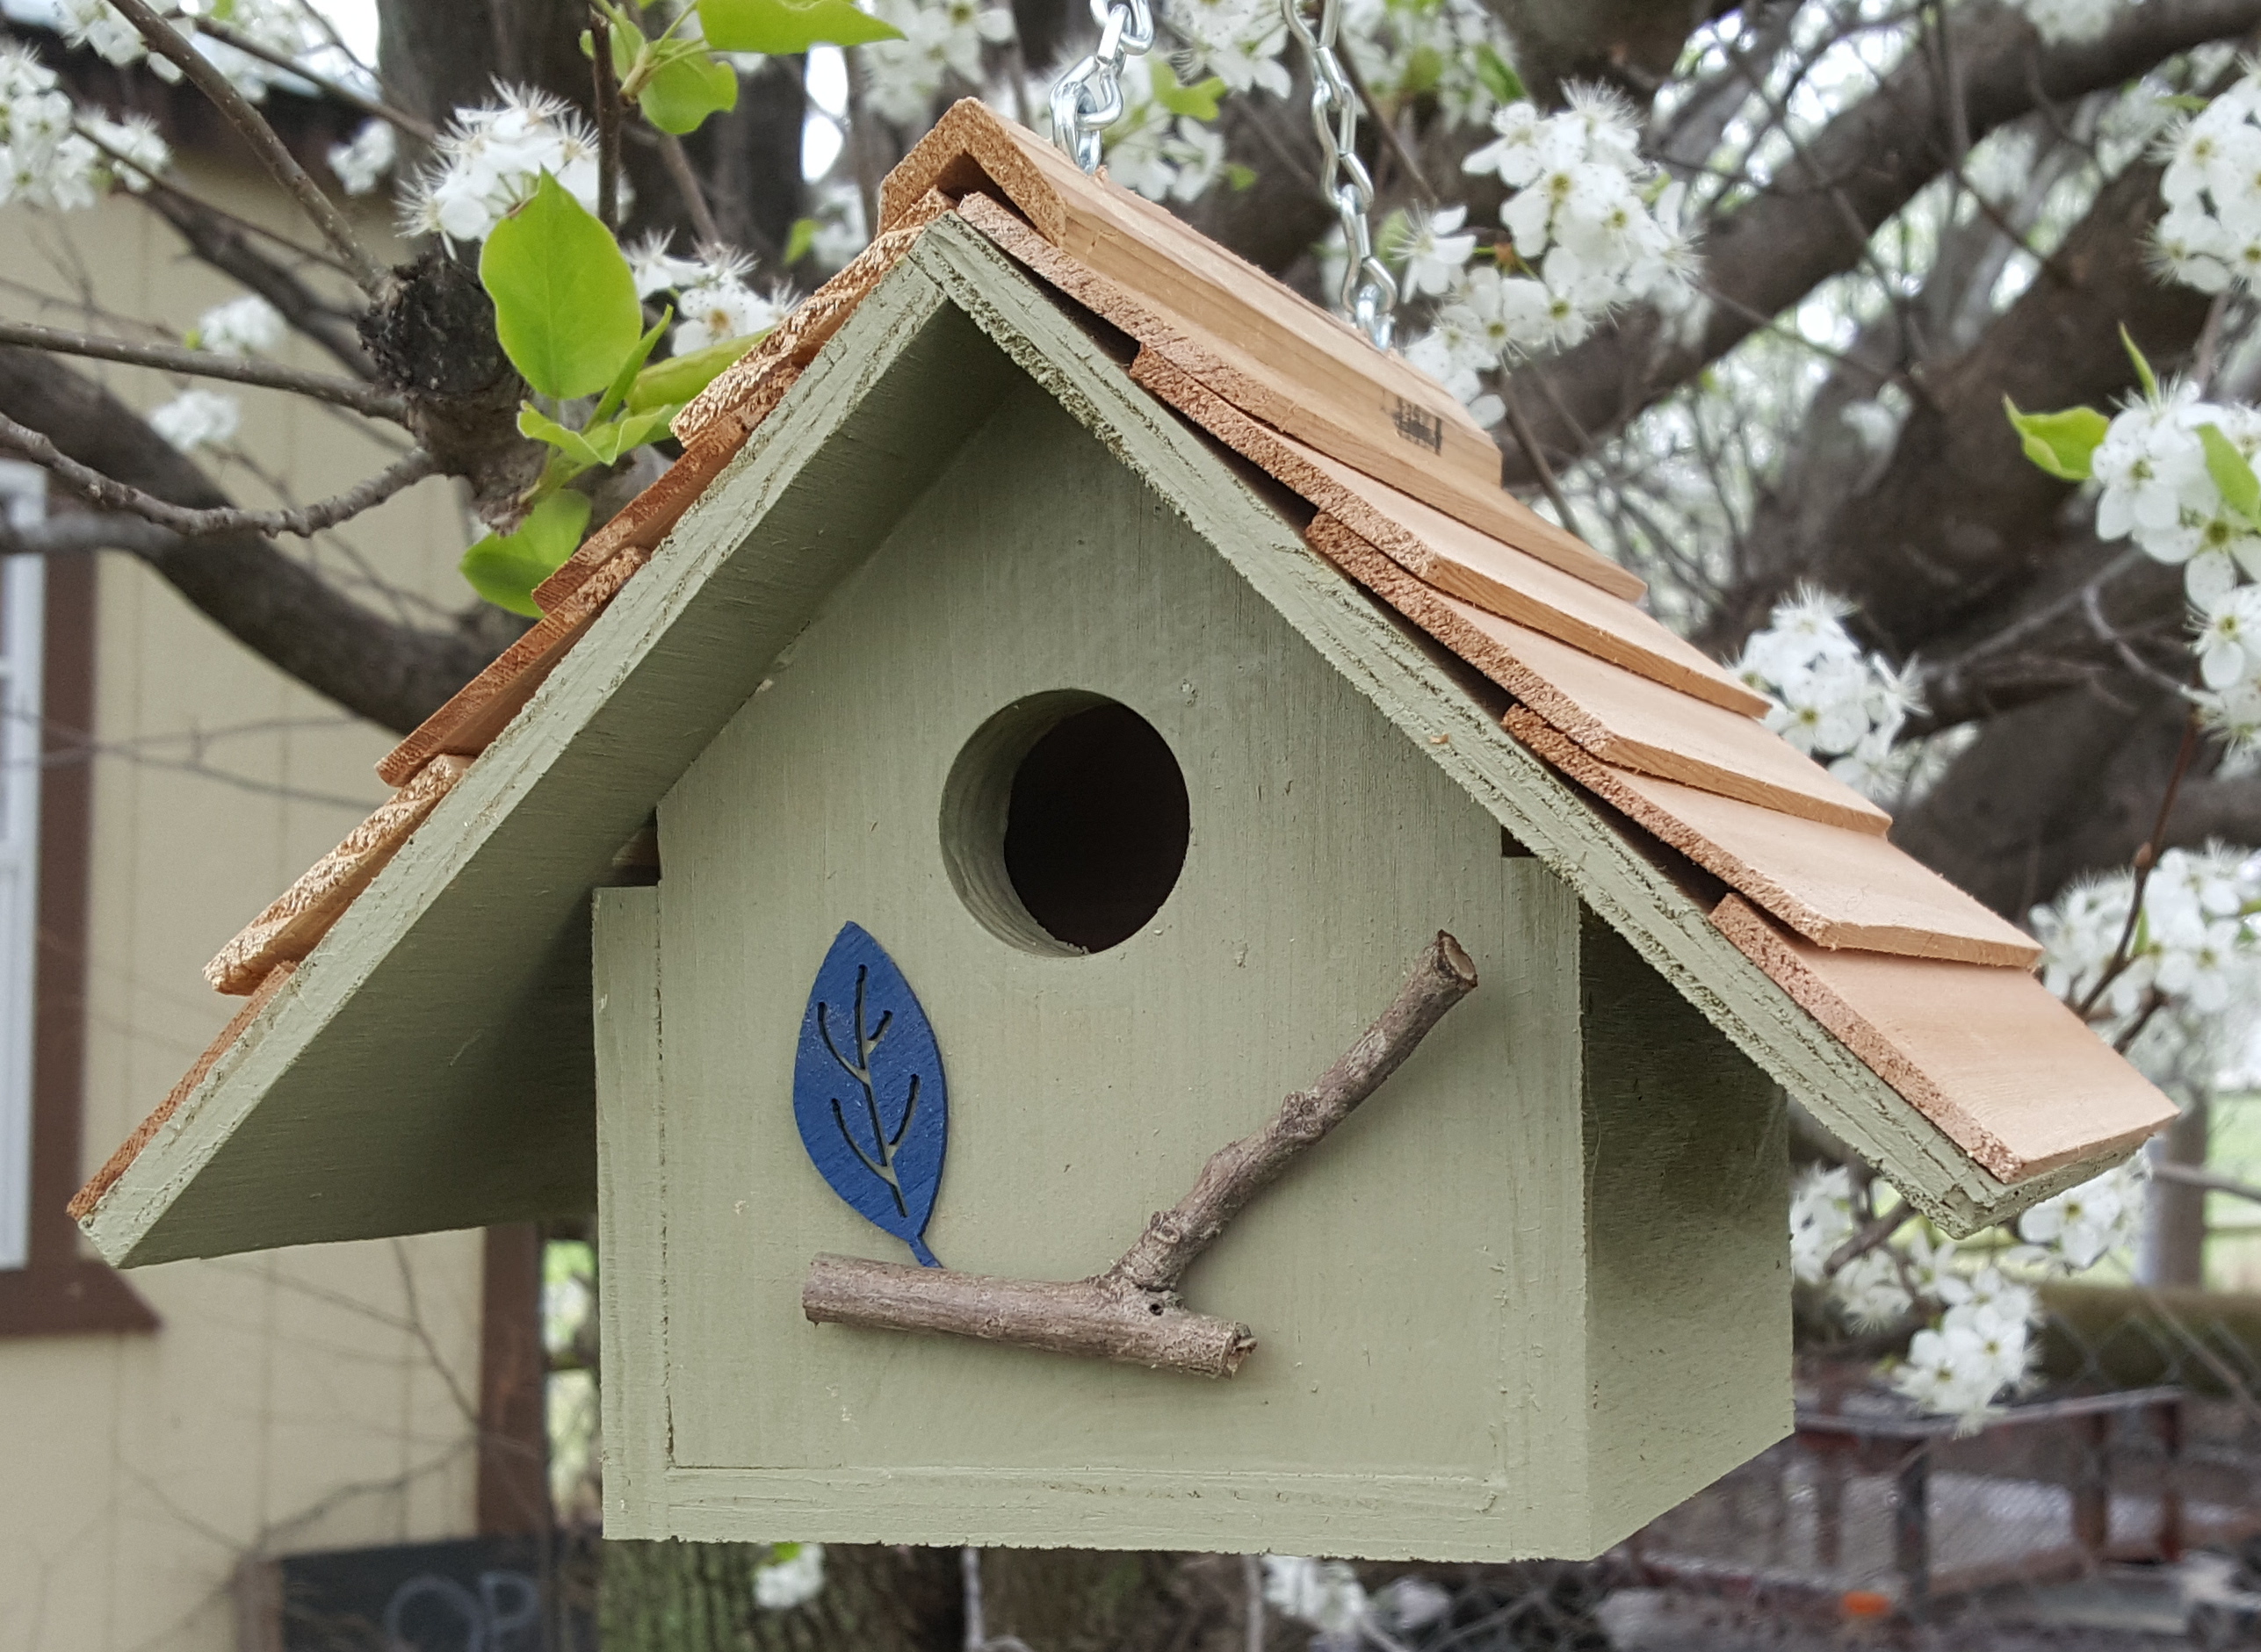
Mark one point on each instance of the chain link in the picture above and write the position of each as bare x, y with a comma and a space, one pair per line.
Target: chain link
1369, 291
1089, 98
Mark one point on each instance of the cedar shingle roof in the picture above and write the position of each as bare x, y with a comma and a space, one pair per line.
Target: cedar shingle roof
1929, 989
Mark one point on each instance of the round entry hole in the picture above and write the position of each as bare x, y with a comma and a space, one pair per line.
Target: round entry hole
1065, 823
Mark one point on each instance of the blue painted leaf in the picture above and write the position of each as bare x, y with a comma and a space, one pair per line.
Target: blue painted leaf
868, 1091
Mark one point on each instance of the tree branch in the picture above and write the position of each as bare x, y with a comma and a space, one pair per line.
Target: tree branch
169, 43
213, 238
337, 90
1812, 220
1132, 1312
302, 519
392, 673
243, 369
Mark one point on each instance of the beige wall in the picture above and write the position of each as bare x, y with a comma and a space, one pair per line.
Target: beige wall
301, 1399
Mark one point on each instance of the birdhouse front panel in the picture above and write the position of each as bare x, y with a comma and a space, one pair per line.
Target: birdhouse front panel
1127, 862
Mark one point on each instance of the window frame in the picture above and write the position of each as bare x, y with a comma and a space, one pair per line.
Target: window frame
61, 1290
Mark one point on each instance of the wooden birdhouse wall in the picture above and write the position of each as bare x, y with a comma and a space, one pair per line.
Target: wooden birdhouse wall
1534, 1293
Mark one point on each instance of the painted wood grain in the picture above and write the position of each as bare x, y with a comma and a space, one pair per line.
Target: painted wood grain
1687, 1166
1835, 887
302, 914
632, 1198
1988, 1055
1617, 714
1036, 562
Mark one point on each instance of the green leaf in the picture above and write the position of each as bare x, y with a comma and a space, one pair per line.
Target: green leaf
625, 380
505, 567
1498, 76
1238, 176
1198, 100
2060, 444
2232, 472
675, 381
2188, 103
1390, 240
565, 303
1425, 66
799, 239
603, 443
681, 94
576, 445
2149, 379
782, 27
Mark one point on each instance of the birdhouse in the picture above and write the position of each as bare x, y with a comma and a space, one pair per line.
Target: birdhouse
1081, 734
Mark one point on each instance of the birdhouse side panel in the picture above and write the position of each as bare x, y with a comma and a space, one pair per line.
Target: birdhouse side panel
1416, 1284
1687, 1156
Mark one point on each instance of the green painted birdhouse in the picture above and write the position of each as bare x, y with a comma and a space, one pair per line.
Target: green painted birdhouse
1019, 750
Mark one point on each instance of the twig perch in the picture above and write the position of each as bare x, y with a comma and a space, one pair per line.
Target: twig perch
1132, 1311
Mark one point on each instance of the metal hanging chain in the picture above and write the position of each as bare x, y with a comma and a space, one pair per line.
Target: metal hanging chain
1369, 291
1088, 97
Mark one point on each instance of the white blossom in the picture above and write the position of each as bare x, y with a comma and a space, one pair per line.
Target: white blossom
1593, 224
715, 303
1821, 1218
1325, 1594
1435, 251
248, 326
197, 418
2083, 1225
903, 77
490, 158
141, 153
2069, 21
45, 159
1239, 41
1831, 701
653, 262
792, 1581
361, 163
1164, 157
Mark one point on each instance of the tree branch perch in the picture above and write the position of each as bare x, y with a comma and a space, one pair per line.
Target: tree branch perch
1132, 1312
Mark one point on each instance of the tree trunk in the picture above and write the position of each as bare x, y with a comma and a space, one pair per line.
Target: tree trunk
699, 1598
2177, 1212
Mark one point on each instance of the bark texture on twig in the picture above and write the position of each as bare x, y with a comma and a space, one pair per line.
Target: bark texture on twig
1132, 1312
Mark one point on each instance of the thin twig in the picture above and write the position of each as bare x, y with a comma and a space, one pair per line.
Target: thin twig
677, 160
2147, 856
158, 185
304, 520
334, 89
1398, 151
608, 120
1879, 1231
252, 127
2211, 1181
204, 363
1528, 440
